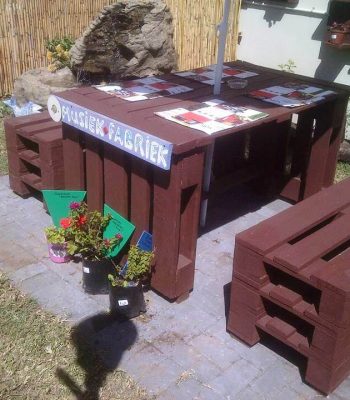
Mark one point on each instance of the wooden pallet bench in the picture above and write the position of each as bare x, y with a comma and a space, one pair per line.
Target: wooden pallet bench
35, 156
291, 279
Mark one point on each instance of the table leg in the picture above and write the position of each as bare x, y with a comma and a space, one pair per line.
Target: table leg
318, 156
301, 149
177, 195
339, 123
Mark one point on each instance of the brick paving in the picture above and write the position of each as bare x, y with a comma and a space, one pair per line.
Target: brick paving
175, 351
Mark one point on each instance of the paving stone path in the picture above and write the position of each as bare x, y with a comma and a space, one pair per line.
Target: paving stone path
175, 351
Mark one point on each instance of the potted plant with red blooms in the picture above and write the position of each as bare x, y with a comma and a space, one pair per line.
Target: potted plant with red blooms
84, 232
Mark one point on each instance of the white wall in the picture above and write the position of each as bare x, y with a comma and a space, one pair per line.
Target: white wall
271, 36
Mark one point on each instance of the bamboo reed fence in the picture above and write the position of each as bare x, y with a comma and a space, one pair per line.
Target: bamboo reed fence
25, 25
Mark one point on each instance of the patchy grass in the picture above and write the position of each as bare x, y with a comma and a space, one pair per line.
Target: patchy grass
343, 171
4, 112
39, 360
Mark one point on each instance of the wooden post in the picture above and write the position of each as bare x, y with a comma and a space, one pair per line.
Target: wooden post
141, 206
175, 223
339, 123
73, 156
318, 158
94, 173
116, 177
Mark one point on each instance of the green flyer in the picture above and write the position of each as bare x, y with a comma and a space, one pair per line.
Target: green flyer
117, 225
58, 202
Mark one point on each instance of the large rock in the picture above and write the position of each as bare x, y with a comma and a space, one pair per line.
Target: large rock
36, 85
344, 151
132, 38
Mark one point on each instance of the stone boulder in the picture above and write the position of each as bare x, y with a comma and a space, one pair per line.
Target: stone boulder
132, 38
344, 151
36, 85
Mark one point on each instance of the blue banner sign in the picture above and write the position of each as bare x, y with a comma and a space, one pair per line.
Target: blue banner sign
138, 143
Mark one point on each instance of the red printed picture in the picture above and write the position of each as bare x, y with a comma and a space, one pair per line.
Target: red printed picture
192, 118
261, 94
163, 85
231, 120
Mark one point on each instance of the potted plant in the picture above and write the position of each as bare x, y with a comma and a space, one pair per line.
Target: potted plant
126, 294
56, 240
339, 33
84, 234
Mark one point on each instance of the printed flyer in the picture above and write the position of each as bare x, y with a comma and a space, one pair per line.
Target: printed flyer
212, 116
143, 89
291, 94
207, 74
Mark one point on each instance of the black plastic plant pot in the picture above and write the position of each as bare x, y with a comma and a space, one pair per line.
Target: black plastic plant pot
126, 302
95, 276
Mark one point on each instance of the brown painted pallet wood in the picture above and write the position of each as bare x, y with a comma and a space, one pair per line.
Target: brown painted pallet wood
291, 280
116, 178
74, 159
327, 350
34, 148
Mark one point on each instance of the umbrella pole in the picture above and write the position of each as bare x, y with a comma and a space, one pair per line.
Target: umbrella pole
206, 183
222, 31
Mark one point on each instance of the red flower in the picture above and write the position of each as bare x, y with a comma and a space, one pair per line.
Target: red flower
81, 220
119, 236
66, 222
107, 242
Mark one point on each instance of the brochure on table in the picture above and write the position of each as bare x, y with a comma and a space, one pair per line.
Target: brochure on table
143, 89
212, 116
207, 74
291, 94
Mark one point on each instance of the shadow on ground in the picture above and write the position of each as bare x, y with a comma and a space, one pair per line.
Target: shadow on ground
100, 342
232, 205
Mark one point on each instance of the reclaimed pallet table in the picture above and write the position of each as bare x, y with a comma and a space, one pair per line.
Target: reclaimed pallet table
291, 279
163, 195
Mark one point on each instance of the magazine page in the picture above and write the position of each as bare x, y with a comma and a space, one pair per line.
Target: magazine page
143, 89
291, 94
207, 74
212, 116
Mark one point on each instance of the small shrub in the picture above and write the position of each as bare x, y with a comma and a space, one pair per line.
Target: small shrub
57, 53
5, 110
137, 270
289, 66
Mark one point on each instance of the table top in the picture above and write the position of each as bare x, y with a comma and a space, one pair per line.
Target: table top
140, 114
